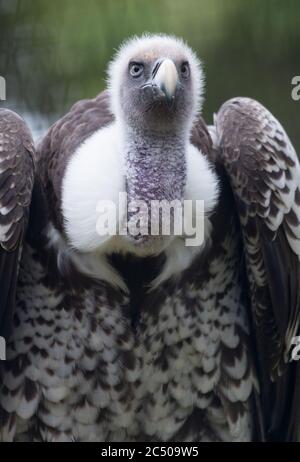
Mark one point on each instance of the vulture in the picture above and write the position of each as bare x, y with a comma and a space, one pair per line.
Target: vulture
128, 337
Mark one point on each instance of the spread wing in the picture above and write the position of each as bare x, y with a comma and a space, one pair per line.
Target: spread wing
264, 174
16, 183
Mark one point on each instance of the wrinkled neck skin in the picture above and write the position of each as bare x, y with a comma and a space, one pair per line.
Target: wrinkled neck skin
155, 164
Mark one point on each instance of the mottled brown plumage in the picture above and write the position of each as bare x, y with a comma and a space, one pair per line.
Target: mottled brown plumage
16, 183
264, 173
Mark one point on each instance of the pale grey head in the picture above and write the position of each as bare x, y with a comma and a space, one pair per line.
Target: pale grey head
155, 83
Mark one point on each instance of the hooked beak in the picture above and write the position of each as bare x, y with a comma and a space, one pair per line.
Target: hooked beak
166, 78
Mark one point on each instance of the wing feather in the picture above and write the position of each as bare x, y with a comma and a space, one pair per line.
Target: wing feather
264, 173
16, 183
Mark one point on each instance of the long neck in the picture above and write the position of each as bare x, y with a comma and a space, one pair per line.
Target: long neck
155, 165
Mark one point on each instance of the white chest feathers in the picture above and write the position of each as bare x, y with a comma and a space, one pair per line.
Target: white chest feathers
96, 174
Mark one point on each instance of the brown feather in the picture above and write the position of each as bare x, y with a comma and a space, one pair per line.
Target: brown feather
16, 182
250, 139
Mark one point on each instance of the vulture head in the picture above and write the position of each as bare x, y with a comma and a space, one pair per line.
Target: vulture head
155, 84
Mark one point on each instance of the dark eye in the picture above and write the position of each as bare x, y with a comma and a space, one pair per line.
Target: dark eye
136, 69
185, 70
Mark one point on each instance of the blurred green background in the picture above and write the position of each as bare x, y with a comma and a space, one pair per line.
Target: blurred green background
53, 53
